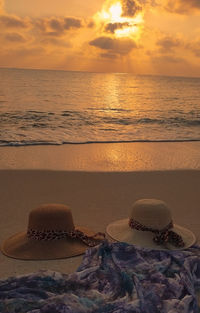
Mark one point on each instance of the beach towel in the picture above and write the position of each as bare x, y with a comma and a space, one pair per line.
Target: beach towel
113, 277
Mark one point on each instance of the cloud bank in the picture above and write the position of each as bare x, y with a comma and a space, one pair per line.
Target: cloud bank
183, 6
13, 22
168, 43
69, 42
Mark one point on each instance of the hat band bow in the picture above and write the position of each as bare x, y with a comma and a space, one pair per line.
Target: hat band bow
162, 236
48, 235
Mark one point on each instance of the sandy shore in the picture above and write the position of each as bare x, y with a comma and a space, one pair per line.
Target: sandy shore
137, 156
95, 197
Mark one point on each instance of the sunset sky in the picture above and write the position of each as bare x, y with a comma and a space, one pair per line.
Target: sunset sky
139, 36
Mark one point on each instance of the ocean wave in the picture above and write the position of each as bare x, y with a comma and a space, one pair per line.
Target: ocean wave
56, 108
34, 127
170, 121
40, 119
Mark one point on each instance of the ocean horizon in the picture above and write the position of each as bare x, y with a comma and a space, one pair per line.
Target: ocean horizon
55, 107
95, 72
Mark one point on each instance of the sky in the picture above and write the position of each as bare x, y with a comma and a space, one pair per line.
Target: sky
159, 37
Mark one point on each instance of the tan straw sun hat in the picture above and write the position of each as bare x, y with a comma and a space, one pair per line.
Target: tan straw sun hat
150, 225
51, 234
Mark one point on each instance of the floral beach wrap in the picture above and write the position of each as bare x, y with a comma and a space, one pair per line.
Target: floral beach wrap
113, 277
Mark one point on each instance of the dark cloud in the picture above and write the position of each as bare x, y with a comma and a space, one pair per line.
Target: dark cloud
167, 44
14, 37
90, 24
130, 8
182, 6
56, 25
105, 43
60, 25
121, 46
70, 22
111, 27
13, 22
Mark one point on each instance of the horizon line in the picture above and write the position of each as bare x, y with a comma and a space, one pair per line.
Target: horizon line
95, 72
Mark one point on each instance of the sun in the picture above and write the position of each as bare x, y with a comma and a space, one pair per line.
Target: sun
115, 12
111, 17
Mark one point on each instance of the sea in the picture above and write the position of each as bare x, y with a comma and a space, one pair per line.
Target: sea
49, 107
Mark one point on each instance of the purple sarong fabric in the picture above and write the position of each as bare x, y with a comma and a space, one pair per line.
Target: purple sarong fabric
113, 277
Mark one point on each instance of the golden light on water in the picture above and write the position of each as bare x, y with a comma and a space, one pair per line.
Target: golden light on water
112, 13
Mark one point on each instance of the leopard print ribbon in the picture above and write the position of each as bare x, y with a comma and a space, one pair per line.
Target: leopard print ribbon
49, 235
162, 236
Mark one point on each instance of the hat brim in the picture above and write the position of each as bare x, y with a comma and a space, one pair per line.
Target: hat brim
19, 246
120, 231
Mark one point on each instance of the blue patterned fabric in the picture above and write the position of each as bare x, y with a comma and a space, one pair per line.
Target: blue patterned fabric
113, 277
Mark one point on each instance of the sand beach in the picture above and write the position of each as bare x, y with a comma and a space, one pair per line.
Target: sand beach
99, 182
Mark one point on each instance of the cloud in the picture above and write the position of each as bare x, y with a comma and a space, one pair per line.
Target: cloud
70, 23
169, 59
23, 52
194, 47
121, 46
46, 26
56, 27
130, 8
173, 65
52, 41
167, 44
178, 46
14, 37
9, 21
90, 24
111, 27
46, 36
183, 6
149, 2
196, 52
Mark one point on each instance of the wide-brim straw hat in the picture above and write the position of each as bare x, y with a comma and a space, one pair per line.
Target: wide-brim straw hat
50, 234
148, 215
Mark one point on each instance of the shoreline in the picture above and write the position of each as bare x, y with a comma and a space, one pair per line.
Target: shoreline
137, 156
96, 142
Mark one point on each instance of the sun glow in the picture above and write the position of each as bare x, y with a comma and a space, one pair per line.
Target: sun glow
123, 26
115, 12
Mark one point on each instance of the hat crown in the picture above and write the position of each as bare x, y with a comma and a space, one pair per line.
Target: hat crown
51, 217
151, 213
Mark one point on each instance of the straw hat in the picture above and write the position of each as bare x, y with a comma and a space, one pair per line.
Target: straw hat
51, 234
150, 225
